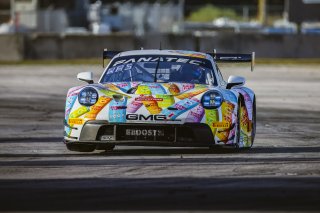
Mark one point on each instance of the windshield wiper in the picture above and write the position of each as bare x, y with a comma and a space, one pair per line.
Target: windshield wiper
157, 67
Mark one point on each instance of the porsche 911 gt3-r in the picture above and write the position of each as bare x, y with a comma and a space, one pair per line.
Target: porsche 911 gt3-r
161, 98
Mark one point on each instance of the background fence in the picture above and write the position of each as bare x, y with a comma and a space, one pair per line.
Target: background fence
56, 46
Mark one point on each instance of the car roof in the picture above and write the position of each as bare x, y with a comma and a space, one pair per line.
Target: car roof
165, 52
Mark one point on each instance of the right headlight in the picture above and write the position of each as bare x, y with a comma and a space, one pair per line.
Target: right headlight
88, 96
212, 100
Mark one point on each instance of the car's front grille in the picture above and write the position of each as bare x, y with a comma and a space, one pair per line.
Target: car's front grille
131, 132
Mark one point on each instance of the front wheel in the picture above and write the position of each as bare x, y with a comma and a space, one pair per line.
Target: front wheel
238, 127
248, 138
254, 121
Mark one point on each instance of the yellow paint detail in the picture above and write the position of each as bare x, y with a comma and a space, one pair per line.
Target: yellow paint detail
245, 123
167, 100
195, 55
78, 121
191, 94
212, 116
152, 107
80, 111
174, 89
110, 93
112, 87
95, 109
143, 90
226, 111
221, 125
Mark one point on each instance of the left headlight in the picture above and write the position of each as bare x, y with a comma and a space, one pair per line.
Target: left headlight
212, 100
88, 96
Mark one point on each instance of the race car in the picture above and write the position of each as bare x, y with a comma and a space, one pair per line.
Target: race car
161, 98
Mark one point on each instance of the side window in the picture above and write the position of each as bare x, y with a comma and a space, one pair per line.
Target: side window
220, 76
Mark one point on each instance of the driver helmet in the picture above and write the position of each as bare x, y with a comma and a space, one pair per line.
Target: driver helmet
197, 72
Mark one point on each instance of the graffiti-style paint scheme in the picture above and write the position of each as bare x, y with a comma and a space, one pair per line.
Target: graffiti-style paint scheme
70, 101
174, 89
212, 117
189, 53
246, 121
157, 89
231, 121
97, 107
227, 109
195, 92
176, 101
167, 100
151, 105
124, 87
117, 111
196, 114
143, 90
74, 117
179, 108
133, 106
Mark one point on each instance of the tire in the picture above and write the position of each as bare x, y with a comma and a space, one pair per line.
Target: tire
254, 121
81, 147
240, 104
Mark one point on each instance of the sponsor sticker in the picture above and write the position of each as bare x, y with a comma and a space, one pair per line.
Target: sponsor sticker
128, 61
148, 99
220, 125
118, 107
141, 117
186, 87
78, 121
107, 138
144, 132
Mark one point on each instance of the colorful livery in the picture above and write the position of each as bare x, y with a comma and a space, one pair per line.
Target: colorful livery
161, 98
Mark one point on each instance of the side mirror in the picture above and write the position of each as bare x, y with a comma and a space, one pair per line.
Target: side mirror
86, 77
235, 81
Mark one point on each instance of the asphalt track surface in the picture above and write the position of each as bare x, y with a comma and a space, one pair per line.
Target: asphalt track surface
280, 173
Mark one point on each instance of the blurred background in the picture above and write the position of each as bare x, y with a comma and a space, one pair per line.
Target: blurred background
81, 29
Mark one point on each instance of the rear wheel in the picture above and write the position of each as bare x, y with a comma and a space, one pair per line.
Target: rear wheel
81, 147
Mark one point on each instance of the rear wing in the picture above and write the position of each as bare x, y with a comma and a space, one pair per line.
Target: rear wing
108, 55
234, 58
219, 57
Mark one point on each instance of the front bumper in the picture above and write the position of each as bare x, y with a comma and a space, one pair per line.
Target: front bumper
176, 135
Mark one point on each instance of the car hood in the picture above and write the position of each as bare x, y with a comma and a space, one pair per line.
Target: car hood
143, 88
122, 102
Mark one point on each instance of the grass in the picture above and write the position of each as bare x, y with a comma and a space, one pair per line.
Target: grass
209, 13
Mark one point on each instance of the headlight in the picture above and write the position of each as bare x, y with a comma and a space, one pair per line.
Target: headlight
212, 100
88, 96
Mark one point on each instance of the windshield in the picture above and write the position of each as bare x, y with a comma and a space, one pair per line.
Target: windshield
155, 68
